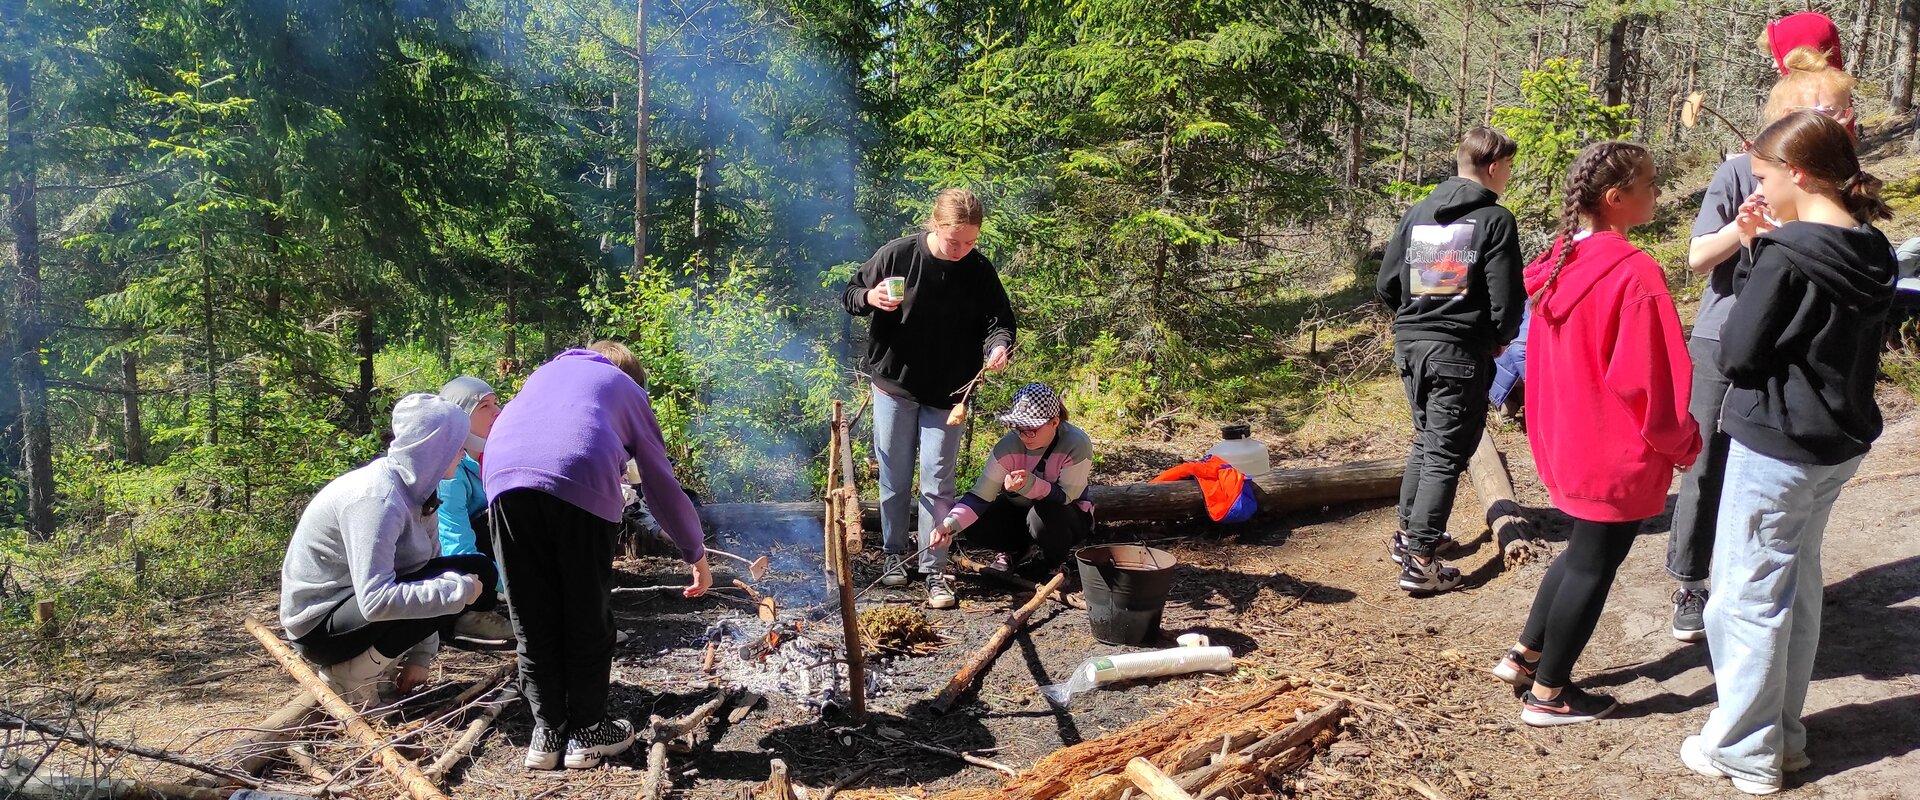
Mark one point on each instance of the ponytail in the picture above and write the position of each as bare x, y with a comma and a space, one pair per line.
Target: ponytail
1821, 148
1861, 195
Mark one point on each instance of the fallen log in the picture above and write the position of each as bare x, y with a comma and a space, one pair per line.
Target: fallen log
963, 681
276, 732
1154, 783
971, 567
660, 732
41, 784
1286, 738
1282, 491
403, 771
1512, 532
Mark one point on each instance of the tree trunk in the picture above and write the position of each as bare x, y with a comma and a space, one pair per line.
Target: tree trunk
23, 224
1857, 41
1903, 56
642, 128
1356, 139
1406, 140
1614, 88
702, 179
1460, 102
134, 431
364, 350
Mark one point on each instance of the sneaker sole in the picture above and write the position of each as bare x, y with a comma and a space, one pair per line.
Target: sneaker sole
546, 761
1543, 720
1512, 676
1701, 765
942, 605
593, 756
1688, 636
1417, 588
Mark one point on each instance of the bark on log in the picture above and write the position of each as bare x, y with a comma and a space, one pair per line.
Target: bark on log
1513, 533
46, 785
962, 681
972, 567
405, 772
1280, 492
275, 732
1293, 735
662, 731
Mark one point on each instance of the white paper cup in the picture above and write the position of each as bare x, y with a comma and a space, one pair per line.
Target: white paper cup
896, 288
1192, 640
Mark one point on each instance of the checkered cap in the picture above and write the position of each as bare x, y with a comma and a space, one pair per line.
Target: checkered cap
1033, 406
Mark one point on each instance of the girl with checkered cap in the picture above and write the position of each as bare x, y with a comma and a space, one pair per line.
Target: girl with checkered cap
1030, 502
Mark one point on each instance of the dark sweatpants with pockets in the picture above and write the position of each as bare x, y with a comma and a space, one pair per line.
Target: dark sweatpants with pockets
1010, 528
558, 560
1446, 387
345, 633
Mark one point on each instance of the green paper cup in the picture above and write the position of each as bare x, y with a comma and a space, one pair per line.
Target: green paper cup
896, 288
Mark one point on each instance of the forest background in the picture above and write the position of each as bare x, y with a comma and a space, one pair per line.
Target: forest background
237, 230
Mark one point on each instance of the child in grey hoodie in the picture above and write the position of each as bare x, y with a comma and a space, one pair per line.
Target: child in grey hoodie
363, 582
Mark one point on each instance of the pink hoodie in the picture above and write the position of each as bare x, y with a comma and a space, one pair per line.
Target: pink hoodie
1608, 382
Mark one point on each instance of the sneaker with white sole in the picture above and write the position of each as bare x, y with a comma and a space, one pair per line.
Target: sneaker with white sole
1514, 668
1432, 577
543, 751
895, 572
1571, 707
940, 592
1796, 762
1693, 753
587, 748
1397, 546
483, 626
1689, 615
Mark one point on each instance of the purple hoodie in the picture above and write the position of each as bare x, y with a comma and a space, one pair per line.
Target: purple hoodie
569, 433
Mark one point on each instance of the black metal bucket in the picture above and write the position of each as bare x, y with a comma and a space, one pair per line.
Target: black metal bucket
1125, 586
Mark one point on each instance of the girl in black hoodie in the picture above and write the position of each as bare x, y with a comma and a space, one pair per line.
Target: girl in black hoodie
1801, 349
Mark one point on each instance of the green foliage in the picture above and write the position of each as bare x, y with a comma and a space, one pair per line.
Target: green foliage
1559, 116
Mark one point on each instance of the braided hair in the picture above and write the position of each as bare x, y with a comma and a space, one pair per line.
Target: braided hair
1601, 166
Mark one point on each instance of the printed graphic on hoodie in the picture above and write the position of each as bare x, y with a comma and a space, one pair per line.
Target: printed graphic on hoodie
1439, 259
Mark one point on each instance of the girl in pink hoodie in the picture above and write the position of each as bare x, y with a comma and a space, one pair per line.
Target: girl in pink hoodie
1608, 382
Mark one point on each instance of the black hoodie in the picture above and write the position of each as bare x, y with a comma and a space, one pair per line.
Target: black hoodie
955, 313
1452, 269
1802, 346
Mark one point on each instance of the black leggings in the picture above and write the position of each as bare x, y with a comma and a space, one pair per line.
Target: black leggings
345, 633
1011, 528
558, 559
1572, 595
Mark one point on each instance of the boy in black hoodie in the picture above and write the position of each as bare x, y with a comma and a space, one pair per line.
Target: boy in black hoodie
1802, 350
1451, 274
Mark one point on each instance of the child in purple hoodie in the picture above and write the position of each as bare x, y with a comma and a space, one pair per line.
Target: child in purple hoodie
552, 477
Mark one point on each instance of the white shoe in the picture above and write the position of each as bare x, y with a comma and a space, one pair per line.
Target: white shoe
896, 572
1696, 759
587, 748
1796, 762
357, 679
483, 626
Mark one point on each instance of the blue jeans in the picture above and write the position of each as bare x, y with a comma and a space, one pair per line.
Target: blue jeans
1763, 621
906, 434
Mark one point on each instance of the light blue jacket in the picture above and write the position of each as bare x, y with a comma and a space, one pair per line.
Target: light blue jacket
460, 498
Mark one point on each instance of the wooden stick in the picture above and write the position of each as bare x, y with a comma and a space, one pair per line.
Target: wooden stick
42, 784
972, 567
476, 730
662, 731
840, 581
404, 771
746, 705
1293, 735
778, 784
848, 780
850, 501
8, 718
1494, 486
274, 731
956, 754
963, 680
1154, 783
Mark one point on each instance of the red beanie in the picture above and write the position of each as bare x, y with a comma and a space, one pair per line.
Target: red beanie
1805, 29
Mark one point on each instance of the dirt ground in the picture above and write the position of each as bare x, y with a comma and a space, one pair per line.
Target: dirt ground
1306, 597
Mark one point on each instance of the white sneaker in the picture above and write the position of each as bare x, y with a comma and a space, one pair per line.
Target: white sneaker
543, 752
357, 679
1694, 756
940, 592
895, 574
1796, 762
587, 748
483, 626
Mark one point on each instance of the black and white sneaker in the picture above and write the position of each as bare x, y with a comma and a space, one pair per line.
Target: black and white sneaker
895, 572
1429, 578
1572, 707
1514, 668
1689, 615
543, 752
1397, 547
587, 748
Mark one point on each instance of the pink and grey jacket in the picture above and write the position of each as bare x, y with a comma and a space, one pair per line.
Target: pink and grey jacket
1062, 479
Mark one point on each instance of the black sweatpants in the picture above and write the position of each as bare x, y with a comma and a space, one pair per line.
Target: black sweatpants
345, 633
1572, 595
558, 560
1010, 528
1446, 387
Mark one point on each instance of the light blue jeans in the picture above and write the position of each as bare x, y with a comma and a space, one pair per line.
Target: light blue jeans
1763, 620
906, 434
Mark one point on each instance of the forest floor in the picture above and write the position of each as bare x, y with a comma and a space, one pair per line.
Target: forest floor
1306, 597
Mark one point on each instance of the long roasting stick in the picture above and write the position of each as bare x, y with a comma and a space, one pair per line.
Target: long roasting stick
406, 772
962, 681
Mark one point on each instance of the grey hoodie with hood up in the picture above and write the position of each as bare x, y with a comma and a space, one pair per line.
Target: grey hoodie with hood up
373, 524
